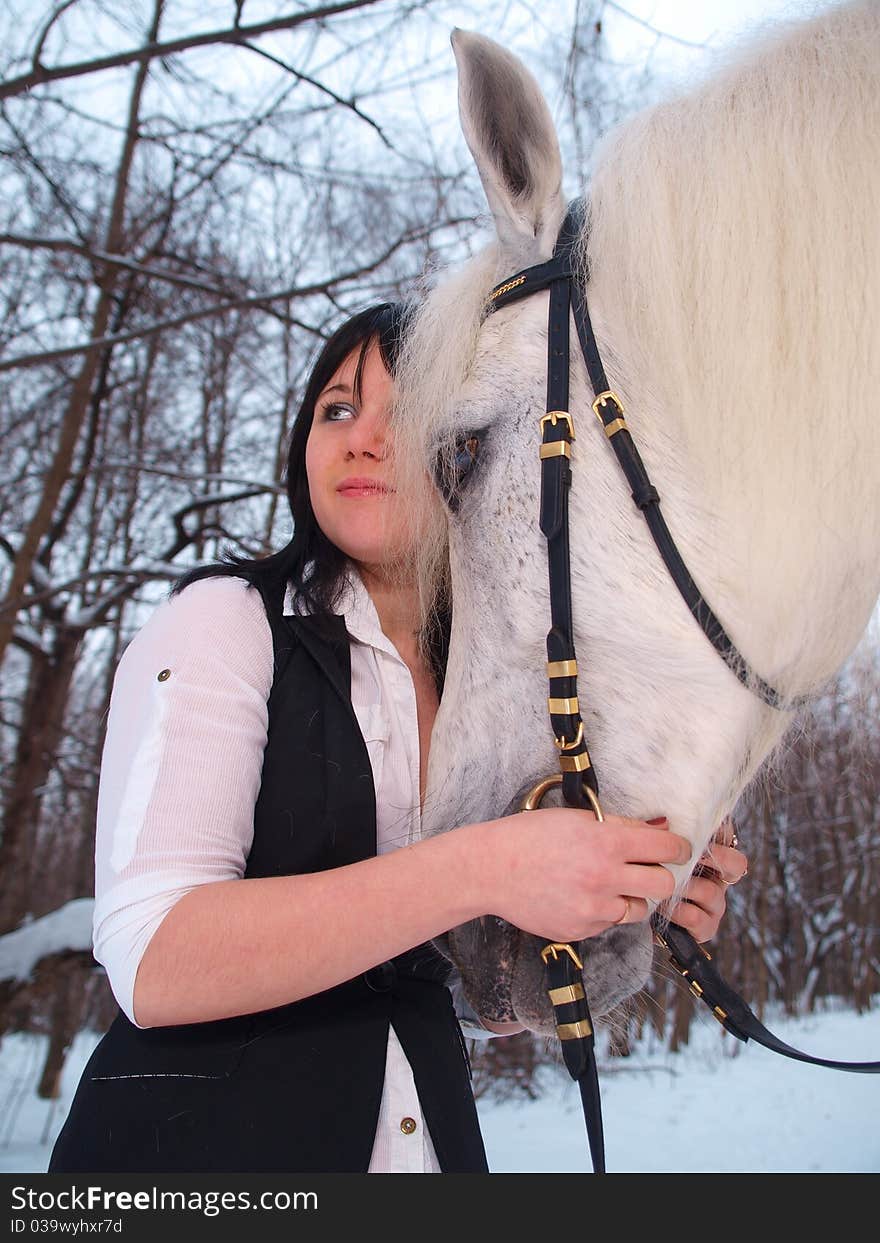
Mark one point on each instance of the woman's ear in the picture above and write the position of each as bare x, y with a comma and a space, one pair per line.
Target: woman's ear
511, 135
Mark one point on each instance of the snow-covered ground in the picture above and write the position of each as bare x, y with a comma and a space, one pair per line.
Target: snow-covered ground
717, 1107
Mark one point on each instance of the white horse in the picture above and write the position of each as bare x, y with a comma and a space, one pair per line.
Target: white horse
733, 250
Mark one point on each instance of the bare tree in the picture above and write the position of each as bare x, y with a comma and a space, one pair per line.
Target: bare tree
174, 248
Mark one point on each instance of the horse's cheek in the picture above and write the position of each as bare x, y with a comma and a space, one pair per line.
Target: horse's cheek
617, 964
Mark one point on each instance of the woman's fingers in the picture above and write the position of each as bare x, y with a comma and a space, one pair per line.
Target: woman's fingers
558, 873
701, 909
644, 879
723, 856
706, 892
627, 910
651, 881
726, 862
636, 842
701, 924
702, 906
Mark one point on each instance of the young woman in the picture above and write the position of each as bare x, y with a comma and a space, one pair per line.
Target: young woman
264, 906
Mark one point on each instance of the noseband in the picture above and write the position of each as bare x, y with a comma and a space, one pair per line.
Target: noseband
577, 776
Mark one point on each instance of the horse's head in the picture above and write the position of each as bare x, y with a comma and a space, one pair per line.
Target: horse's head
746, 355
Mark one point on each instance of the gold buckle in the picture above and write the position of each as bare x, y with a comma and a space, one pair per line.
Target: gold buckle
595, 804
616, 425
602, 399
554, 416
562, 745
554, 949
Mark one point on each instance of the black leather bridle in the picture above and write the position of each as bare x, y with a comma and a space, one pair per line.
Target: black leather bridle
577, 777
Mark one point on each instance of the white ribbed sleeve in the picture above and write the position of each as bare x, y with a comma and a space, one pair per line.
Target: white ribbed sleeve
181, 766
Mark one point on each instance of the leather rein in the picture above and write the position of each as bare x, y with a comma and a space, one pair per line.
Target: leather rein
577, 776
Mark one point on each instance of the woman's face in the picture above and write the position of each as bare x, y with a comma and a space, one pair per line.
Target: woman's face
348, 465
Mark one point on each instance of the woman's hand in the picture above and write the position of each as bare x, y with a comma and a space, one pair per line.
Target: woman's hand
559, 874
704, 901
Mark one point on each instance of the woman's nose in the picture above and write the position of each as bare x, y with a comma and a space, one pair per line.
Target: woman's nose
369, 436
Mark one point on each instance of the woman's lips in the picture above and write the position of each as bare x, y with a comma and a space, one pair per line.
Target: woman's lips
363, 487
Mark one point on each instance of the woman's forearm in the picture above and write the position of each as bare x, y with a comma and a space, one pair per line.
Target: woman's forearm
238, 946
233, 947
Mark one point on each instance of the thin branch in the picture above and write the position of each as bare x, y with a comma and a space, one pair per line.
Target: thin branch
319, 86
188, 476
20, 640
131, 576
36, 64
36, 360
235, 34
640, 21
114, 261
58, 194
211, 502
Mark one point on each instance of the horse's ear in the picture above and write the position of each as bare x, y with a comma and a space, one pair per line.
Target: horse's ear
511, 135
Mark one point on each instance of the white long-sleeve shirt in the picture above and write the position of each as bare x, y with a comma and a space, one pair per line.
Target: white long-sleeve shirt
181, 772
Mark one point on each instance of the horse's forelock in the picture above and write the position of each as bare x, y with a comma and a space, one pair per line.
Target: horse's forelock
437, 354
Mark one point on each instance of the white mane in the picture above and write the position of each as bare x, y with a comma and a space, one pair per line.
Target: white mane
735, 256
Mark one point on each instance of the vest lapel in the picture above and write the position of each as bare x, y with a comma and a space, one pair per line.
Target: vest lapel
326, 640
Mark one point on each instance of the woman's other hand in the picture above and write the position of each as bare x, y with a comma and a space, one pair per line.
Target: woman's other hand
704, 900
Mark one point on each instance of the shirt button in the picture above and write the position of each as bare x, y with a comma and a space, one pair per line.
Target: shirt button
407, 1125
164, 675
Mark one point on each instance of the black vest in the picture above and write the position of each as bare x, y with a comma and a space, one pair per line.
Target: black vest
296, 1088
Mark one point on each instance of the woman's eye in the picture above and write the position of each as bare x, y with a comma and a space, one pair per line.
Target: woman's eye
337, 411
452, 470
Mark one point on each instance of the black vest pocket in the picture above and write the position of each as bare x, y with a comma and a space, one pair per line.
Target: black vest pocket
154, 1100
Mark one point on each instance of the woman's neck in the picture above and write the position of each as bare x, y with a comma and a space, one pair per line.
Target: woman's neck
397, 605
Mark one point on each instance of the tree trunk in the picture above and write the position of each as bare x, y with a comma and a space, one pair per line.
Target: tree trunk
64, 1024
41, 729
81, 392
682, 1013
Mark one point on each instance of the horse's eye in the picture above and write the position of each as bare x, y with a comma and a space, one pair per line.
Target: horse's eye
452, 469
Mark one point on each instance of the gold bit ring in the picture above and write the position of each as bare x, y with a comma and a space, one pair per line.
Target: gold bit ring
625, 914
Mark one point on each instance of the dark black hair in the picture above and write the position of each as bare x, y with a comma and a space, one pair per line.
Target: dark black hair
317, 592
